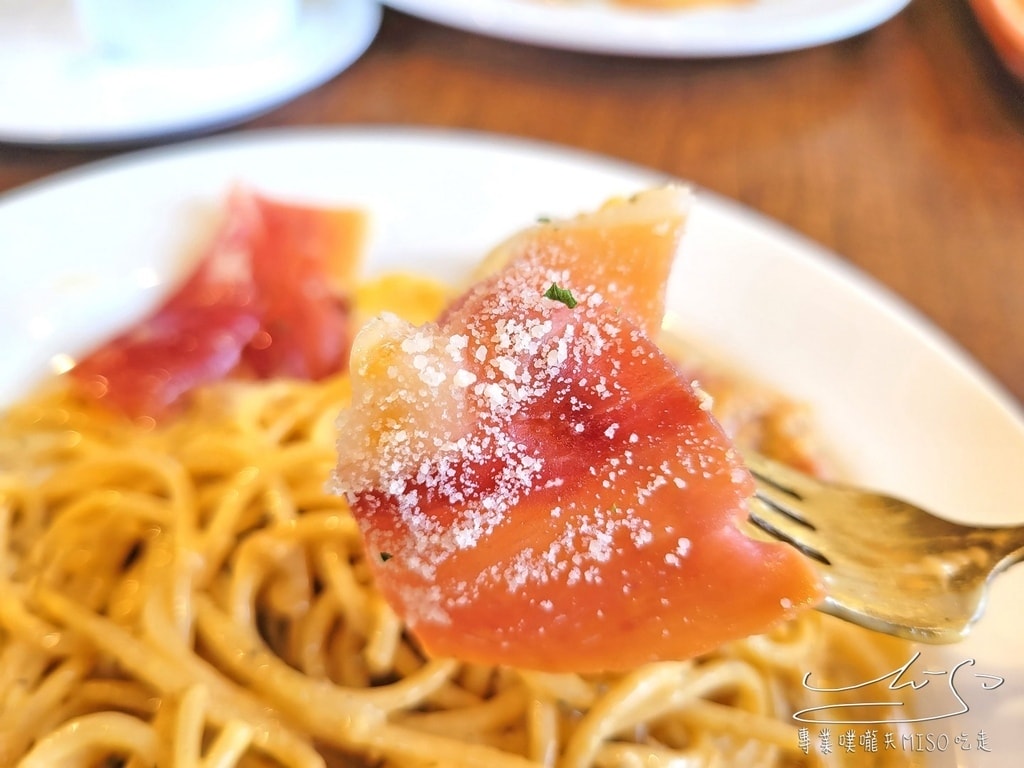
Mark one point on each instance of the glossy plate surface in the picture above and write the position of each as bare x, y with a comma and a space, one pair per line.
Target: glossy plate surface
600, 26
56, 90
902, 407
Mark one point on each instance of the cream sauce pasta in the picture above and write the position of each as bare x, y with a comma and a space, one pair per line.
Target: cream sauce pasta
188, 594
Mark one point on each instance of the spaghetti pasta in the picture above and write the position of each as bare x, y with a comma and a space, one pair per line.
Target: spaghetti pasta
188, 594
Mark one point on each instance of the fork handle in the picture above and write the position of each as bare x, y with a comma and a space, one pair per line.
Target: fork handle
1007, 546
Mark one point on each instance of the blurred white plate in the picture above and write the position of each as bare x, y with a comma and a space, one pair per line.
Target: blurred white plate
600, 26
56, 90
87, 251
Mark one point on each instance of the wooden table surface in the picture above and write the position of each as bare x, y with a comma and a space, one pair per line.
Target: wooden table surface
902, 149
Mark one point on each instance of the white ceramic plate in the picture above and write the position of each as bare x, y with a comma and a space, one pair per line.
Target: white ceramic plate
600, 26
56, 90
89, 250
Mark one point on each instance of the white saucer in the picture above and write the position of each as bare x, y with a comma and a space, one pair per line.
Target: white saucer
54, 90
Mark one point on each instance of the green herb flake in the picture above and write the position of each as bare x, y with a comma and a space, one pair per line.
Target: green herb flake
564, 295
385, 556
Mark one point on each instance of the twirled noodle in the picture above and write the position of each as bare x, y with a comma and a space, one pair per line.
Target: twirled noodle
188, 595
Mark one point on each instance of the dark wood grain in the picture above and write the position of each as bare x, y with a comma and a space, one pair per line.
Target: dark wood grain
902, 149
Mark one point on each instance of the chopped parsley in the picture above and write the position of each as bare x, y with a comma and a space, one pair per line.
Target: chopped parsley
564, 295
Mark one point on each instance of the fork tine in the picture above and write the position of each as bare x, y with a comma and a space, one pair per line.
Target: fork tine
783, 488
783, 478
777, 508
780, 524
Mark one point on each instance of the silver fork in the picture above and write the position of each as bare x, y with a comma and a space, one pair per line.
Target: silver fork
885, 564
